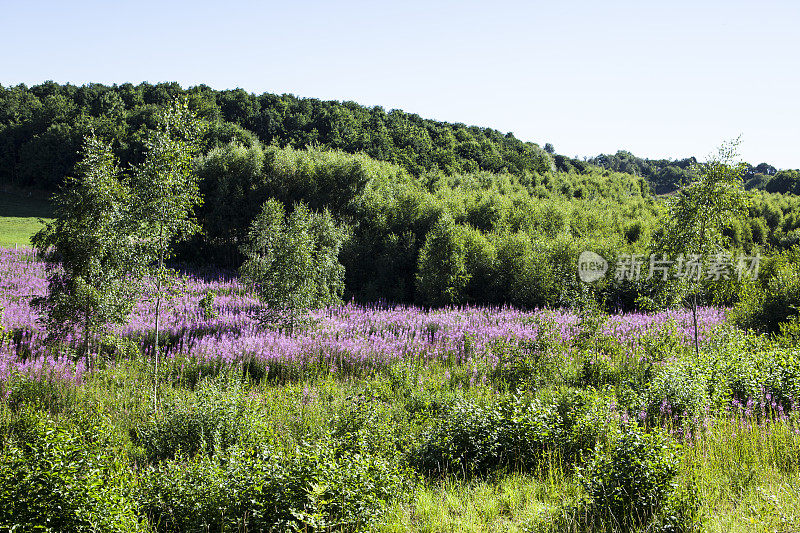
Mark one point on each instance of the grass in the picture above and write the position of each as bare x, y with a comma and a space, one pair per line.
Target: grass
747, 475
20, 214
512, 503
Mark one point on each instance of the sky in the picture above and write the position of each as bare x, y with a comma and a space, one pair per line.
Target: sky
667, 79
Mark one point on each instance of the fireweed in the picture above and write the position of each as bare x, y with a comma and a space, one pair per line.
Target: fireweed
348, 338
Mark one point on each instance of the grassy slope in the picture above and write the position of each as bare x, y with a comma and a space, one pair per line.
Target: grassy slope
20, 212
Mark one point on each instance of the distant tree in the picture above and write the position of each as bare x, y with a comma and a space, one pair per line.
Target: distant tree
292, 262
166, 191
785, 181
700, 212
549, 148
230, 179
91, 258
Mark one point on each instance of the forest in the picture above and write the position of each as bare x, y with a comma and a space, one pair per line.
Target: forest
389, 178
244, 312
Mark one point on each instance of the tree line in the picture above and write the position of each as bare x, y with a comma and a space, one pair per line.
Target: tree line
42, 127
666, 176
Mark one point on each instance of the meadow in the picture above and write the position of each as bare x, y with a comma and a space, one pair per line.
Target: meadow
393, 418
20, 212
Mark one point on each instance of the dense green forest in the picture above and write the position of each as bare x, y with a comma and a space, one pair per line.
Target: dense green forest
506, 217
41, 129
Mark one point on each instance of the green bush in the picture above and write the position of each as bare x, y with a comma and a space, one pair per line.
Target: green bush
752, 371
677, 393
369, 425
442, 274
206, 305
309, 489
511, 433
632, 486
44, 391
52, 479
775, 298
218, 417
525, 366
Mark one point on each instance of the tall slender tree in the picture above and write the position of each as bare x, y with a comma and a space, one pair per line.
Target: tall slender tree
91, 258
165, 189
699, 213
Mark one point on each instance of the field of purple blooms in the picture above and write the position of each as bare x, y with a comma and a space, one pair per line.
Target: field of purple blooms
393, 418
349, 336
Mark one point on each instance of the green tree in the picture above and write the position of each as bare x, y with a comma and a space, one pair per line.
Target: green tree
292, 262
92, 260
166, 192
698, 214
442, 275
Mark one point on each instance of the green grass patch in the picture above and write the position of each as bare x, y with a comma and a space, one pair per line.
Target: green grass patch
21, 212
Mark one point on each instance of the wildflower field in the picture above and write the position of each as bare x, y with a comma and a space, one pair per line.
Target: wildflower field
392, 418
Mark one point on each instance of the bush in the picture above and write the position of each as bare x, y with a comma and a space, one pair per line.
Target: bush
753, 372
510, 434
217, 418
525, 366
310, 489
46, 391
632, 484
367, 425
775, 298
442, 274
54, 480
119, 348
678, 393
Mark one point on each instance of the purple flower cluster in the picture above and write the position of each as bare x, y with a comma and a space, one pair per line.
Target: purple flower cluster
344, 336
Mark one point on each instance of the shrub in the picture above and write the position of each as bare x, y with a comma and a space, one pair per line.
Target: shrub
790, 332
368, 425
753, 372
310, 488
206, 305
677, 393
523, 366
54, 480
46, 391
464, 441
116, 347
510, 433
442, 276
632, 484
776, 297
217, 418
530, 364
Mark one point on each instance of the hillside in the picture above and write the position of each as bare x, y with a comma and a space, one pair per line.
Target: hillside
665, 176
41, 128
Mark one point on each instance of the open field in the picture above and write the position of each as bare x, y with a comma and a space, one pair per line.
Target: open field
20, 212
395, 419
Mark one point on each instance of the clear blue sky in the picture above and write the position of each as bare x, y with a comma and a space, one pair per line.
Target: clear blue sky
660, 79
